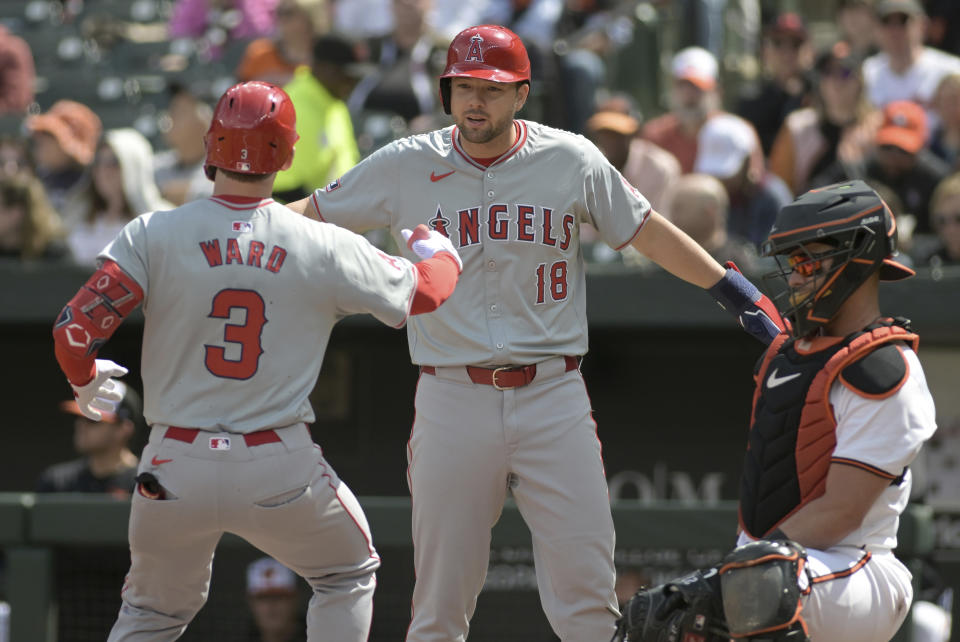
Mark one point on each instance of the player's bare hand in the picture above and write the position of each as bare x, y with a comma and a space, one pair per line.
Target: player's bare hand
103, 392
426, 242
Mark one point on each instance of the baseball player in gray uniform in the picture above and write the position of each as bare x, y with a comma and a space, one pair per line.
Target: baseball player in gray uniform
501, 406
240, 295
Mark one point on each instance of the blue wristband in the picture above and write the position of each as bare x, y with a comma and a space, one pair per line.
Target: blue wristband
734, 292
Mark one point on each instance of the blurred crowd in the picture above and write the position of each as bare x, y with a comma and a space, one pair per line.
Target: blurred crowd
719, 111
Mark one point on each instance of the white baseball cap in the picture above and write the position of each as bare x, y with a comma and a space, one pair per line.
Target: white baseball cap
268, 576
696, 65
723, 143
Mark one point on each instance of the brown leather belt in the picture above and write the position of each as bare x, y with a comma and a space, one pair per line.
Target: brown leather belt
505, 377
268, 436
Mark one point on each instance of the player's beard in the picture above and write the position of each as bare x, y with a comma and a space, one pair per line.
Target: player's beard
491, 131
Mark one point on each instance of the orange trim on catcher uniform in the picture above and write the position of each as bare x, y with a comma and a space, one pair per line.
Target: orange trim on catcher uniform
879, 472
830, 224
845, 573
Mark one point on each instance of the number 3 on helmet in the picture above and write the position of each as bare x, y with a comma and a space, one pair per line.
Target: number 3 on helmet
253, 130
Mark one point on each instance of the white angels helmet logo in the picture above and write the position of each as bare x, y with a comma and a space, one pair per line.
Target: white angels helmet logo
475, 53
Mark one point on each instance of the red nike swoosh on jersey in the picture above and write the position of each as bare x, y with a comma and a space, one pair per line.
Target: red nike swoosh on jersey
157, 462
434, 177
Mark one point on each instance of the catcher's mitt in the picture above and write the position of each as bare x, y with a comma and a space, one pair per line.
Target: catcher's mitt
688, 609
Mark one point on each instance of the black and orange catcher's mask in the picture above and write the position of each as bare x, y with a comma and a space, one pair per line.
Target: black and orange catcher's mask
859, 226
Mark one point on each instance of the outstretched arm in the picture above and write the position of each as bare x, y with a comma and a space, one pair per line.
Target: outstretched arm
670, 248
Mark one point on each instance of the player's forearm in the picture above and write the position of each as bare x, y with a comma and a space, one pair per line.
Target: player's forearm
670, 248
436, 279
90, 318
305, 207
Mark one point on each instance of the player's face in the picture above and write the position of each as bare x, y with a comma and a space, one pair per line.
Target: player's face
483, 111
808, 270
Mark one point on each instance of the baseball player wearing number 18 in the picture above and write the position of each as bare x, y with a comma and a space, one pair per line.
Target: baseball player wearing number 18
500, 402
240, 295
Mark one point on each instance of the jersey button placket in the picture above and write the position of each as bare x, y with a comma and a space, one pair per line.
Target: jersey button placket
492, 280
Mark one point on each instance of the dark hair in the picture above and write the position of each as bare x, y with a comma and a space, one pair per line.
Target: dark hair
41, 223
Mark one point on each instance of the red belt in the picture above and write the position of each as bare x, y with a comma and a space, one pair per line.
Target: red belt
505, 377
258, 438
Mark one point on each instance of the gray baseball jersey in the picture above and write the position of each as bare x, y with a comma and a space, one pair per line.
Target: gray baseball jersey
521, 296
233, 294
240, 296
520, 300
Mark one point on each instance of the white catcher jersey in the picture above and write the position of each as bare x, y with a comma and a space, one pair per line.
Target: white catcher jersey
521, 296
885, 435
226, 285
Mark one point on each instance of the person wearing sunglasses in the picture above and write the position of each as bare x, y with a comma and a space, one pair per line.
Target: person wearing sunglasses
828, 141
840, 412
905, 68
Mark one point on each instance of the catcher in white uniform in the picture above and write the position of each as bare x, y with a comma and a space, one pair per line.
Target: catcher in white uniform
840, 411
501, 405
240, 295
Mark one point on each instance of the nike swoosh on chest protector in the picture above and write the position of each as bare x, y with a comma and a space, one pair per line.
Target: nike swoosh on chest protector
773, 380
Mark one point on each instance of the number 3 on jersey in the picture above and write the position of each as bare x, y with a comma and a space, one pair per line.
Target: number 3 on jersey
557, 276
247, 334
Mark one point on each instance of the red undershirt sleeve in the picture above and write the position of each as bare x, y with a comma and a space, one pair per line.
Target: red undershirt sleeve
437, 278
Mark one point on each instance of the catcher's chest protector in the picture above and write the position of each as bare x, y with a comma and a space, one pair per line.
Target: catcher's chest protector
792, 433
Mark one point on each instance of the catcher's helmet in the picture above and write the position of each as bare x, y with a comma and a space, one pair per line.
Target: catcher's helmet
488, 52
859, 225
253, 130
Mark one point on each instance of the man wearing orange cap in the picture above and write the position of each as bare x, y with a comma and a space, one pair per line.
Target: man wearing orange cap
106, 464
64, 140
902, 161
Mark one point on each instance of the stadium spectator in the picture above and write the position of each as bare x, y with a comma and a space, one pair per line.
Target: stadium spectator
693, 99
858, 24
787, 57
587, 34
29, 226
614, 129
945, 140
905, 69
17, 73
275, 59
213, 23
179, 170
726, 145
408, 61
274, 602
327, 147
699, 206
901, 161
122, 188
106, 464
14, 155
943, 29
63, 141
362, 19
945, 223
829, 141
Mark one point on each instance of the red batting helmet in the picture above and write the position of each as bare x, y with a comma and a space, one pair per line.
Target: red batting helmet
488, 52
253, 130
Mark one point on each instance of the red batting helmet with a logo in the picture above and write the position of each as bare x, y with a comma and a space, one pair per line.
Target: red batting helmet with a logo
253, 130
488, 52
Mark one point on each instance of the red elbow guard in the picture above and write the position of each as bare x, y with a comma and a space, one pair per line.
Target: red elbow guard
95, 311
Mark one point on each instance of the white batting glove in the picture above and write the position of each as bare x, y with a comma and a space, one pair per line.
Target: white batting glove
103, 392
426, 242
